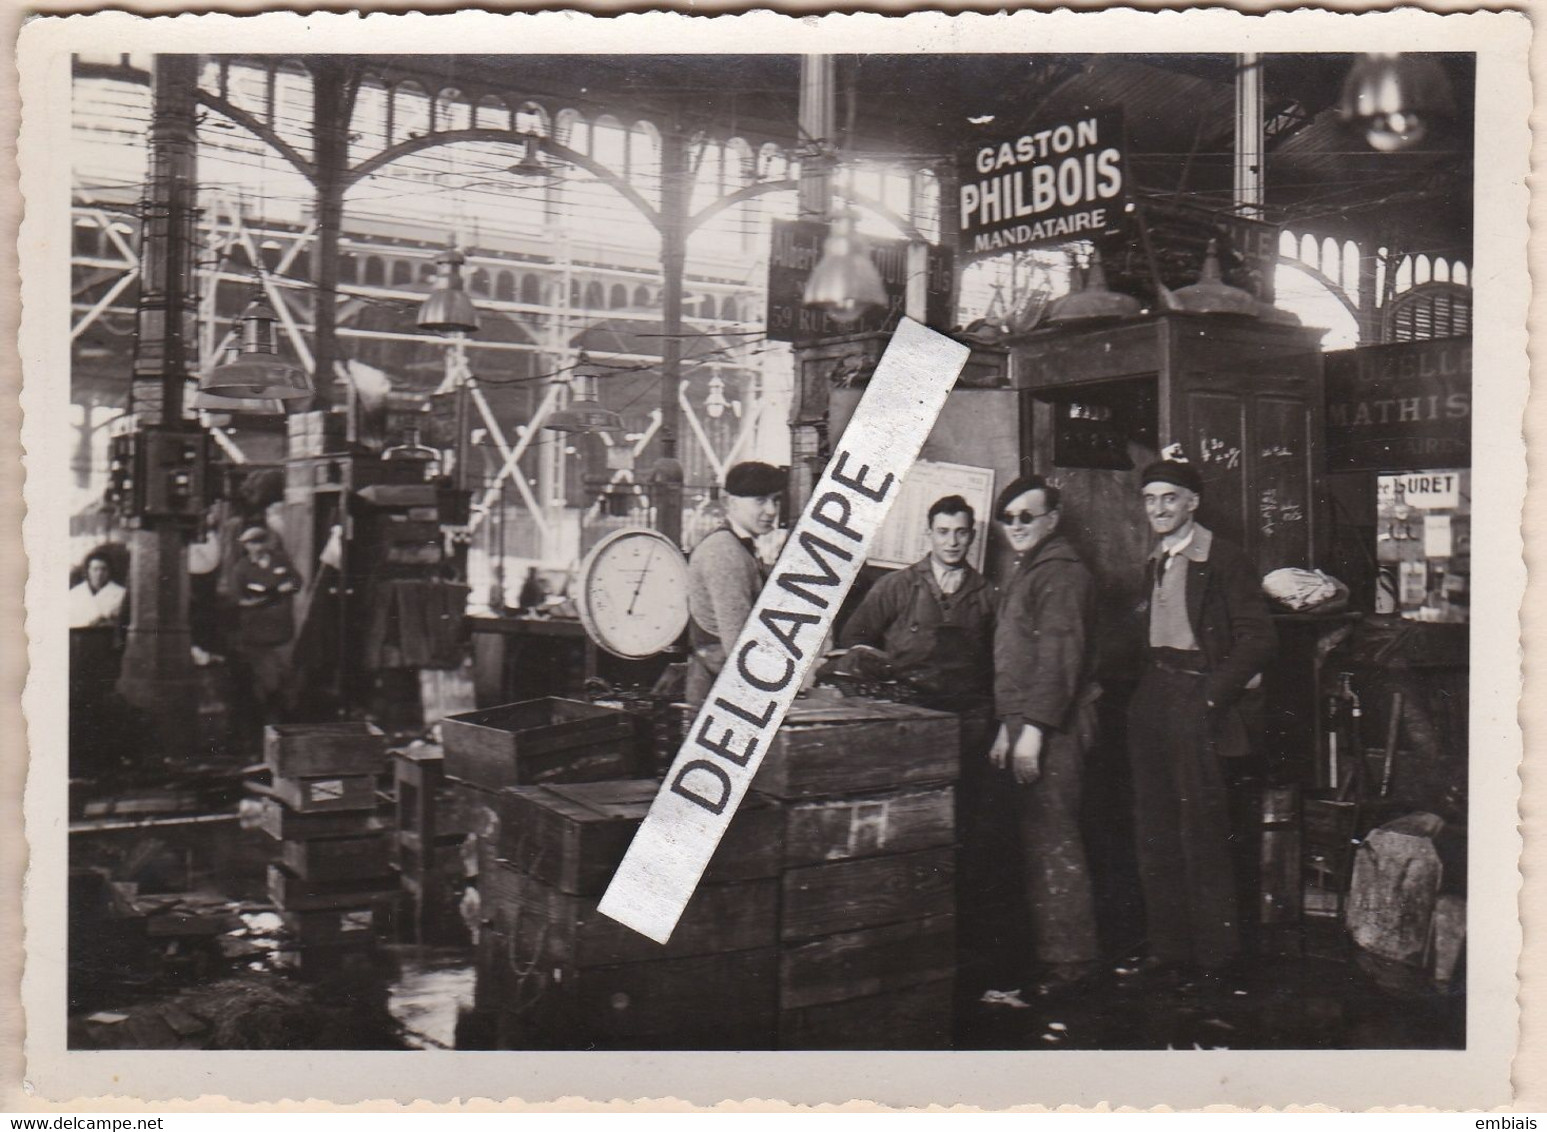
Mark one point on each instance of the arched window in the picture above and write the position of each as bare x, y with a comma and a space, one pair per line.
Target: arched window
348, 268
375, 271
530, 118
452, 111
706, 307
426, 270
617, 298
641, 296
505, 286
491, 113
402, 272
531, 290
729, 311
1431, 310
410, 111
478, 282
368, 123
574, 293
595, 297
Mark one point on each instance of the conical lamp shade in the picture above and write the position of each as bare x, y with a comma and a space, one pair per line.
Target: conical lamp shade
448, 309
257, 371
1093, 300
1211, 294
845, 283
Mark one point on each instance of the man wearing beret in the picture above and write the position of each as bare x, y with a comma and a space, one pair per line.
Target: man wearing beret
1209, 637
724, 575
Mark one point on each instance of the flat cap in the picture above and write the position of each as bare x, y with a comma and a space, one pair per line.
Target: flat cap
254, 534
752, 477
1175, 470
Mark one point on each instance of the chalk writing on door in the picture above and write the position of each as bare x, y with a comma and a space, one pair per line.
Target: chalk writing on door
1213, 450
1272, 511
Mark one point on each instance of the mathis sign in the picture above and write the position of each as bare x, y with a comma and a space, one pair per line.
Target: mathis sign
1048, 185
1406, 406
797, 246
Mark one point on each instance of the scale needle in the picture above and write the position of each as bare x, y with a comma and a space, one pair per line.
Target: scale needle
644, 572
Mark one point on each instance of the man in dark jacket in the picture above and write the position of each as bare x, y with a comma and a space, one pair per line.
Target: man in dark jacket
1209, 637
933, 622
1045, 694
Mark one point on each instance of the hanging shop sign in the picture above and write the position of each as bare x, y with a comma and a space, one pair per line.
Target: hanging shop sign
1402, 407
797, 246
1179, 236
1047, 185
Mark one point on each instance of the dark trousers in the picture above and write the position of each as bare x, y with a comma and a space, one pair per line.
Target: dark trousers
1182, 823
1056, 875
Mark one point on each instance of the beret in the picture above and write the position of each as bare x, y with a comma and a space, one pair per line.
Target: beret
254, 534
1178, 473
752, 477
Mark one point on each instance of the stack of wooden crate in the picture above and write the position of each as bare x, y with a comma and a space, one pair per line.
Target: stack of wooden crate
560, 975
332, 882
867, 918
426, 846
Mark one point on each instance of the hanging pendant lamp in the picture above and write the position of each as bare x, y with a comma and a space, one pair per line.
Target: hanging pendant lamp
585, 412
1211, 294
257, 372
1396, 99
1092, 299
448, 309
531, 167
220, 404
845, 283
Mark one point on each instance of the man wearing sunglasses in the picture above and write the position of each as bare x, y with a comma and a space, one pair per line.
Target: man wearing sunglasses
1045, 696
1209, 636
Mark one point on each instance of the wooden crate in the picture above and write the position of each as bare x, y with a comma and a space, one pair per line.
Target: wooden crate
918, 1017
326, 926
296, 750
868, 825
296, 894
722, 1001
844, 896
338, 858
868, 962
856, 747
328, 793
538, 741
282, 823
550, 928
574, 836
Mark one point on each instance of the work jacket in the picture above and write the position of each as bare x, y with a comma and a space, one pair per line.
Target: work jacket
939, 643
1044, 638
264, 592
724, 579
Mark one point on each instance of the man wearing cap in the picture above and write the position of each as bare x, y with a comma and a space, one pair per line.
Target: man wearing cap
1045, 694
1209, 637
264, 582
724, 575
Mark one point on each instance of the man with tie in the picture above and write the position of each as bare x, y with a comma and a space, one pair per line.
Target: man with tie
724, 573
1209, 637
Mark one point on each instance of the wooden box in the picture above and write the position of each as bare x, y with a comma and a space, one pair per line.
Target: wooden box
574, 836
327, 793
892, 821
844, 896
868, 962
538, 741
296, 894
296, 750
722, 1001
282, 823
827, 749
553, 929
917, 1017
327, 926
338, 858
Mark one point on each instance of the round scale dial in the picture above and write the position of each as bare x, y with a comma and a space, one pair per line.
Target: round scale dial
633, 593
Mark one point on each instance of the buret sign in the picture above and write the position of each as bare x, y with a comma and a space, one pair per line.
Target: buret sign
1061, 182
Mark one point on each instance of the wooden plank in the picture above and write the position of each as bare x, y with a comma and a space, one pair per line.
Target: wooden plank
296, 750
845, 896
723, 1001
295, 894
868, 962
834, 750
550, 928
574, 836
893, 821
912, 1018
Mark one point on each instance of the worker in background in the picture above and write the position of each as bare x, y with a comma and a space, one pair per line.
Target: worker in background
1209, 636
725, 575
96, 599
265, 584
1045, 696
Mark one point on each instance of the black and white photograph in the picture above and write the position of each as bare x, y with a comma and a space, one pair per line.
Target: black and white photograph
992, 513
